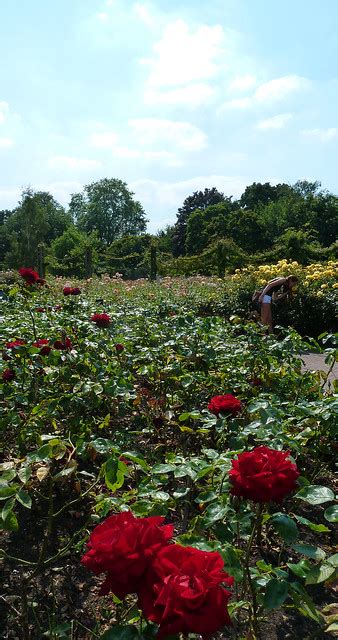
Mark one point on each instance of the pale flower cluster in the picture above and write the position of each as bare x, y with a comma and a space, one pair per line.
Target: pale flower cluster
320, 276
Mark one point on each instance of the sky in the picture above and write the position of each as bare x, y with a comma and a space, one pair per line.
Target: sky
169, 96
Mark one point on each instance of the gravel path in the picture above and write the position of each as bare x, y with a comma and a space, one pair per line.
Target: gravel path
316, 362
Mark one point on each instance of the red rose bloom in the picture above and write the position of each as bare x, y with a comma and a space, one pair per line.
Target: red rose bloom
225, 404
40, 310
123, 547
8, 375
76, 291
101, 319
29, 275
67, 291
119, 347
43, 345
263, 475
63, 345
183, 592
15, 343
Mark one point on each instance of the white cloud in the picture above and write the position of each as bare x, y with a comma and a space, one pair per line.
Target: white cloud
5, 143
280, 88
69, 162
183, 55
276, 122
242, 83
170, 159
4, 110
103, 139
192, 94
269, 92
322, 135
143, 12
182, 135
236, 103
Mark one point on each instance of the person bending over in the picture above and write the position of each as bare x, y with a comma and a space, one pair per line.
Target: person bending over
276, 289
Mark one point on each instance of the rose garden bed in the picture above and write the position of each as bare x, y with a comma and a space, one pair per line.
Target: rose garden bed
129, 406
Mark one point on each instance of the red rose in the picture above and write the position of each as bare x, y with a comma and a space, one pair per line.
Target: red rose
263, 475
29, 275
123, 547
15, 343
101, 319
40, 310
183, 592
225, 404
8, 375
63, 345
76, 291
67, 291
43, 345
119, 347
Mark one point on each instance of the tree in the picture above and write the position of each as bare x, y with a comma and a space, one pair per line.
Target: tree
57, 219
196, 234
70, 252
198, 200
27, 228
108, 207
246, 229
38, 219
257, 194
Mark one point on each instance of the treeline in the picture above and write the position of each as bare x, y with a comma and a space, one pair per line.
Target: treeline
104, 230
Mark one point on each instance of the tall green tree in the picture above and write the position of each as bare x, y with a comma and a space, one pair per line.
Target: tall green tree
258, 194
38, 219
108, 207
198, 200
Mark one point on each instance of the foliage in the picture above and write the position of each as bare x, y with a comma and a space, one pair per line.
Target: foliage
119, 421
108, 207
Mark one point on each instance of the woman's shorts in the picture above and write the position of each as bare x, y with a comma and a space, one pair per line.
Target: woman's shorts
267, 299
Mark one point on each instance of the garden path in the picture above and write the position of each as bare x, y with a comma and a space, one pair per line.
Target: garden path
316, 362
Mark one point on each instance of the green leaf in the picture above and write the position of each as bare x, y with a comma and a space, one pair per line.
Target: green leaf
275, 594
213, 513
7, 476
285, 526
163, 468
331, 513
8, 506
113, 473
10, 523
301, 569
319, 528
333, 560
44, 452
7, 492
24, 499
316, 553
320, 573
136, 458
315, 494
119, 632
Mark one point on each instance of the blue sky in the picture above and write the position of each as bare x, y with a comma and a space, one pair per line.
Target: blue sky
169, 96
